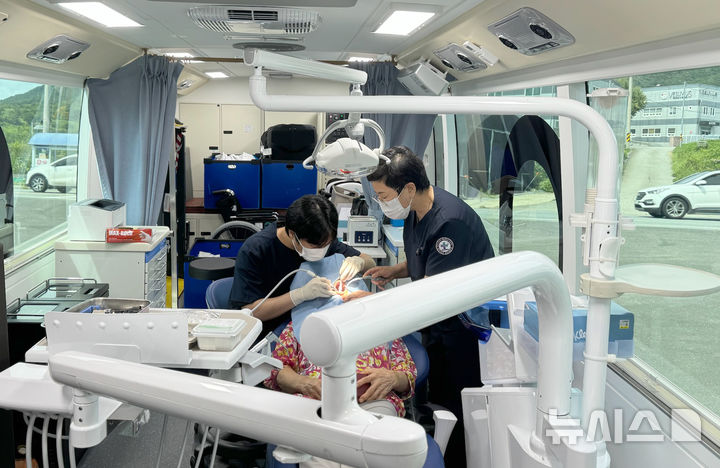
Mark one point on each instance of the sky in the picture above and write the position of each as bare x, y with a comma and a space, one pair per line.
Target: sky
11, 88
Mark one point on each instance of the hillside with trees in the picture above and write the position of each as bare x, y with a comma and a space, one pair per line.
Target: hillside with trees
21, 116
708, 76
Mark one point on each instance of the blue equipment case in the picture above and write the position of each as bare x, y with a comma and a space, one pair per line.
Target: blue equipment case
194, 290
242, 177
622, 327
283, 182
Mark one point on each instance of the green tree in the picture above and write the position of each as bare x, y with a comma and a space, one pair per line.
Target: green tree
639, 100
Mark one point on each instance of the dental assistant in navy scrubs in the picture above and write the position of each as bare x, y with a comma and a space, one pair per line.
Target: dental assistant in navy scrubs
441, 232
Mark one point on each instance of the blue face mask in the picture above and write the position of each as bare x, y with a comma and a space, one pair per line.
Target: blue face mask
311, 255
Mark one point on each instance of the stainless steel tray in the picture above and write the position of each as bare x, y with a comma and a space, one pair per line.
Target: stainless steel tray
111, 305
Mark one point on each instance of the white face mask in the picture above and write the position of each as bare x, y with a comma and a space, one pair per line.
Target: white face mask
311, 255
393, 209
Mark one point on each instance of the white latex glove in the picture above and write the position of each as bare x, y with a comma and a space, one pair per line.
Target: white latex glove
316, 287
350, 267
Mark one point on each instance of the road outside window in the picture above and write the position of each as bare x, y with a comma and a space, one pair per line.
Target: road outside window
669, 187
41, 125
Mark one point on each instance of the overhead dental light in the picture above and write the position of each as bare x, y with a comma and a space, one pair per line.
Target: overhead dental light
346, 158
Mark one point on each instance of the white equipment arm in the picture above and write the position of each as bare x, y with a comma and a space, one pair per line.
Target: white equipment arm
254, 412
332, 338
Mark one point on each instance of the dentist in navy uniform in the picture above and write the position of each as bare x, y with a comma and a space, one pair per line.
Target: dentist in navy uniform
441, 232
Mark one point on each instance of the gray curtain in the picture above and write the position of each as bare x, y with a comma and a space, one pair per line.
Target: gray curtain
132, 116
6, 180
411, 130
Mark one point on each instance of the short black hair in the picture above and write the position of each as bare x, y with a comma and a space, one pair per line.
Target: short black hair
404, 167
313, 218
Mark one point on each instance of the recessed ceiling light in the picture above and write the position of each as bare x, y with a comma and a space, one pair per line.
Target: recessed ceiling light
216, 74
360, 59
103, 14
402, 23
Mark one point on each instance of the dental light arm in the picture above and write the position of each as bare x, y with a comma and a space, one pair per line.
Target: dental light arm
261, 414
332, 338
325, 71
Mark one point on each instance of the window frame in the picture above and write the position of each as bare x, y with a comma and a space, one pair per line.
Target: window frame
17, 72
672, 54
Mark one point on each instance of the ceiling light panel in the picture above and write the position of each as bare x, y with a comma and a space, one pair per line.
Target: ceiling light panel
404, 22
101, 13
216, 74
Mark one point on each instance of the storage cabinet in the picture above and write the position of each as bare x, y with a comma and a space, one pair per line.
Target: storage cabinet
132, 270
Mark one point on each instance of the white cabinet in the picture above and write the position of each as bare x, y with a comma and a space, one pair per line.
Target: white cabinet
304, 118
202, 225
241, 128
201, 139
132, 270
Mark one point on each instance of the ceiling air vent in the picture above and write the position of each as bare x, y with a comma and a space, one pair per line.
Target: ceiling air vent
59, 49
530, 32
460, 58
261, 21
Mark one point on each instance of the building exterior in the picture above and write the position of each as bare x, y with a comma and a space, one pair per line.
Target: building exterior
690, 110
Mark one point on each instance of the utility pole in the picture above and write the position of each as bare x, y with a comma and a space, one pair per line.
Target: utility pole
46, 109
629, 109
682, 111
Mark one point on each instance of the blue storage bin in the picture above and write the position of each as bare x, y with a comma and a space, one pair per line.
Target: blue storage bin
242, 177
194, 289
283, 182
622, 326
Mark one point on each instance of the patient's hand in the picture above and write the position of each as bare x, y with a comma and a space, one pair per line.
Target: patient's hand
311, 387
381, 383
355, 295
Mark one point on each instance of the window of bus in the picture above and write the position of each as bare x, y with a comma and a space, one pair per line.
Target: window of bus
504, 175
668, 186
41, 124
433, 156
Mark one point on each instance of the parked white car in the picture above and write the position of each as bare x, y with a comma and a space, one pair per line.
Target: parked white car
61, 174
697, 193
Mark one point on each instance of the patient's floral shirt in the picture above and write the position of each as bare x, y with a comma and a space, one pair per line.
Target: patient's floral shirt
394, 356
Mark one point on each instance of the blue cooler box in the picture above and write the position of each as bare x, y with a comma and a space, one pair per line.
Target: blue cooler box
194, 289
622, 325
283, 182
242, 177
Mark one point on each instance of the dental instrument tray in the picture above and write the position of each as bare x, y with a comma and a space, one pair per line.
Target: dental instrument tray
34, 310
128, 329
105, 305
72, 289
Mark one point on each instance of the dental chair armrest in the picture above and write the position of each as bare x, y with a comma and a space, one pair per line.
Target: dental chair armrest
444, 424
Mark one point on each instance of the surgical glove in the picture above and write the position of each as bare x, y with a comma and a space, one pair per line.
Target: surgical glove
350, 267
316, 287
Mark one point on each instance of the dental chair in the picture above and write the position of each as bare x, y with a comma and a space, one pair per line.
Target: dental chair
444, 420
217, 297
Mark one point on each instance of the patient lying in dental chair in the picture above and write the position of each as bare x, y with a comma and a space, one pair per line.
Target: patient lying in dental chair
386, 373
